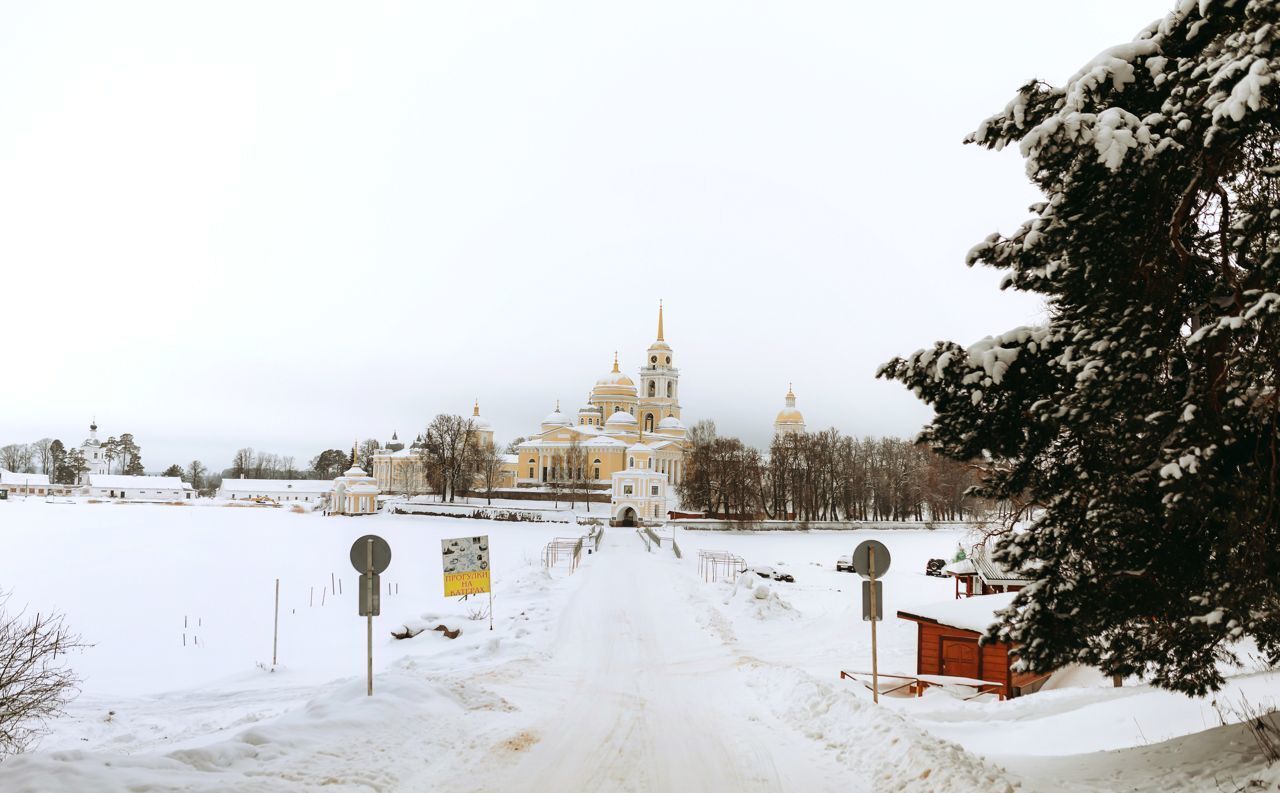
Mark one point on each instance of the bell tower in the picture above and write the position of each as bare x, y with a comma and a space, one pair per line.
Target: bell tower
659, 382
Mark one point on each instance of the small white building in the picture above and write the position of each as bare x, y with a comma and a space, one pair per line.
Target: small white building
355, 492
137, 488
307, 491
639, 492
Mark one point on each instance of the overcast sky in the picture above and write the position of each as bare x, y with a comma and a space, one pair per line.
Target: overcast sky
288, 225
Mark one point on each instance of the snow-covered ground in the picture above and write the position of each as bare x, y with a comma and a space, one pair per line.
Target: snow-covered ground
631, 675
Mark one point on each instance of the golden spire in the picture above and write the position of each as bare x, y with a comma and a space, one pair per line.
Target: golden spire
557, 406
615, 360
475, 409
660, 321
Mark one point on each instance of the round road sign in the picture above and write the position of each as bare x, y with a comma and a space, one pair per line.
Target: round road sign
360, 554
862, 558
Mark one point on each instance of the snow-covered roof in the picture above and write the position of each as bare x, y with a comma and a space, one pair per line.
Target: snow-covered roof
35, 480
962, 567
511, 458
620, 417
277, 485
639, 447
556, 418
384, 452
616, 378
120, 481
971, 614
670, 423
992, 572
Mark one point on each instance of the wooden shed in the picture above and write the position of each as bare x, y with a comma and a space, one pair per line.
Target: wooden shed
979, 574
947, 643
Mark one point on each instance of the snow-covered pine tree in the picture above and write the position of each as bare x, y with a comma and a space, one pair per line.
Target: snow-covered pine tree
1144, 417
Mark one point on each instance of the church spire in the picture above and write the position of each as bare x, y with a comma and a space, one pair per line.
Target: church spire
615, 360
475, 409
660, 321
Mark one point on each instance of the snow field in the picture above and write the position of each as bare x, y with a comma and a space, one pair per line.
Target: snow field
631, 675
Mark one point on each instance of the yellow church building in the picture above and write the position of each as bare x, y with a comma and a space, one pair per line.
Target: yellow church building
618, 419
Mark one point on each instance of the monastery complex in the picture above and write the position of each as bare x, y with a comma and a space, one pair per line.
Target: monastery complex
625, 425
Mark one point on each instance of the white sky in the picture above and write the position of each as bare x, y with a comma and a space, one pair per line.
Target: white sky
287, 225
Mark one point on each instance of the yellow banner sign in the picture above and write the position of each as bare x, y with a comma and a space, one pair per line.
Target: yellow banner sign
468, 583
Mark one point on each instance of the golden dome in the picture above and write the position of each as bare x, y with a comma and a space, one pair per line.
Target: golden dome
789, 416
615, 380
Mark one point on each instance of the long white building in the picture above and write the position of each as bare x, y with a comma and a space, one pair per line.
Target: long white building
137, 488
308, 491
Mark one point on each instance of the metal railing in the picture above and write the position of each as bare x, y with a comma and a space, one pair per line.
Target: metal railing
719, 565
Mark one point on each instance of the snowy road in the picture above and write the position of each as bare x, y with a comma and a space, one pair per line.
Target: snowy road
652, 701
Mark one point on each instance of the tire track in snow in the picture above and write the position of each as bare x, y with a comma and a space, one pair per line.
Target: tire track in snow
654, 703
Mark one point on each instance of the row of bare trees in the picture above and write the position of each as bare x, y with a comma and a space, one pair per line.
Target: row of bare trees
825, 476
455, 459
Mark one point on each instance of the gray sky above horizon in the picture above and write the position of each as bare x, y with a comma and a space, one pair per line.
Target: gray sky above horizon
286, 225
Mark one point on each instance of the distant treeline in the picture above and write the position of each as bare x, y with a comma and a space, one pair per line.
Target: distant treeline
825, 476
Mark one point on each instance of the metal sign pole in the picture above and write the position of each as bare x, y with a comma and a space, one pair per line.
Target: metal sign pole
875, 668
369, 585
275, 632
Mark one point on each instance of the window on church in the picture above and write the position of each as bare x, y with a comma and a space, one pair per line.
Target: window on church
652, 388
653, 359
626, 490
655, 490
597, 476
670, 389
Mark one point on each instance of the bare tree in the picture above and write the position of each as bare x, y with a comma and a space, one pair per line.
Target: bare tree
42, 452
557, 483
35, 684
195, 474
242, 462
515, 442
15, 457
488, 465
578, 471
448, 454
367, 450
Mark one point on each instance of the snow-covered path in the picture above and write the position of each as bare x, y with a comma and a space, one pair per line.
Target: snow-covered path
651, 700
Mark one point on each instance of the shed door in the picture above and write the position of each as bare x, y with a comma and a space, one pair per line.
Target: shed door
959, 657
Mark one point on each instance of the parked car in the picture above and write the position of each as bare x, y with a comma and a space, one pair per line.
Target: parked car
934, 567
844, 564
781, 576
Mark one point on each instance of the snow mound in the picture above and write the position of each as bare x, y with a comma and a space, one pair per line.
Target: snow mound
753, 595
873, 741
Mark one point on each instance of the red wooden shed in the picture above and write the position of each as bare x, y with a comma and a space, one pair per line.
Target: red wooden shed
979, 574
947, 643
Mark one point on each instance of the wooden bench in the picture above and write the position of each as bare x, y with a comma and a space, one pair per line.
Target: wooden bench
918, 683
